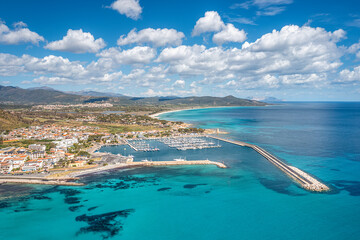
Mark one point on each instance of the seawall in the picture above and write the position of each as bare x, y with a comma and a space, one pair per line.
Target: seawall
302, 178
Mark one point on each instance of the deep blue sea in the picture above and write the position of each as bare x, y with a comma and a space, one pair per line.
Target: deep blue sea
250, 200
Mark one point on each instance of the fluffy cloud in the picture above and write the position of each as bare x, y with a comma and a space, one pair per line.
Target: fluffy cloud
20, 34
289, 57
292, 50
57, 70
11, 65
229, 34
129, 8
156, 37
152, 77
355, 49
179, 84
77, 41
180, 53
176, 89
103, 78
211, 22
136, 55
348, 76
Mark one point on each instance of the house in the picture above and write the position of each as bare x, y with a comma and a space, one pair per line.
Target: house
35, 154
18, 161
32, 165
79, 163
65, 143
6, 167
37, 147
69, 156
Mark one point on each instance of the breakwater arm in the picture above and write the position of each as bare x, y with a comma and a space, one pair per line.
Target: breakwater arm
39, 181
302, 178
178, 163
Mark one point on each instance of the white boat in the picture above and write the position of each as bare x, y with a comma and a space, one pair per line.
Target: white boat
179, 159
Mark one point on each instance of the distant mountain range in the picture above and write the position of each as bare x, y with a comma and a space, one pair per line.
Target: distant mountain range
46, 95
96, 94
42, 95
267, 99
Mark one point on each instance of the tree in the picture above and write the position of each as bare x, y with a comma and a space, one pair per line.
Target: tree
84, 154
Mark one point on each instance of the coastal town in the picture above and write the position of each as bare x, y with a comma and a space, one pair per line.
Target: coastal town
64, 149
44, 148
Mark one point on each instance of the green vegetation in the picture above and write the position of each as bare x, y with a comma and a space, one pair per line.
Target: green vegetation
95, 138
83, 154
25, 143
191, 130
119, 128
12, 120
16, 95
37, 96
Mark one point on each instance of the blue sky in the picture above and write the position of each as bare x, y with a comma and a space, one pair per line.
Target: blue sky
289, 49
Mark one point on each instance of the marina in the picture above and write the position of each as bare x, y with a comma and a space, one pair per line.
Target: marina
141, 145
187, 143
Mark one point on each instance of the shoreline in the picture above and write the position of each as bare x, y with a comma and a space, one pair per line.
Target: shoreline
146, 164
300, 177
75, 175
156, 115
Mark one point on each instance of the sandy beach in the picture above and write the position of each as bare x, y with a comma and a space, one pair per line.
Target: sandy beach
156, 115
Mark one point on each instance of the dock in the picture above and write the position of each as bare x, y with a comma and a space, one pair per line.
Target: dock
39, 181
146, 164
188, 143
140, 145
177, 163
302, 178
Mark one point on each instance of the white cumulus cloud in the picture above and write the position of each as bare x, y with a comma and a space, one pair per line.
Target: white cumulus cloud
211, 22
156, 37
289, 52
229, 34
355, 49
179, 84
20, 34
350, 76
77, 41
290, 57
136, 55
129, 8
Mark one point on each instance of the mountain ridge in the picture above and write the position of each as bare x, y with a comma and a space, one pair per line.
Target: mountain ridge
45, 95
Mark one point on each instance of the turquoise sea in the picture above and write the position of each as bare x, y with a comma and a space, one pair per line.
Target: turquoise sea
250, 200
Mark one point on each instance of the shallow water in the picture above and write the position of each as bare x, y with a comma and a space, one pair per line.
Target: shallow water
250, 200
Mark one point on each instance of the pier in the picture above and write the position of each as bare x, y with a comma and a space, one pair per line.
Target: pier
146, 164
302, 178
177, 163
140, 145
41, 181
186, 143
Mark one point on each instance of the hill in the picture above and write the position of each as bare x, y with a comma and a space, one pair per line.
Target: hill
199, 101
96, 94
37, 96
9, 121
45, 95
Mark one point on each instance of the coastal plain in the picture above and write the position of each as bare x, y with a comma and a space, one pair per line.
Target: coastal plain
251, 190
